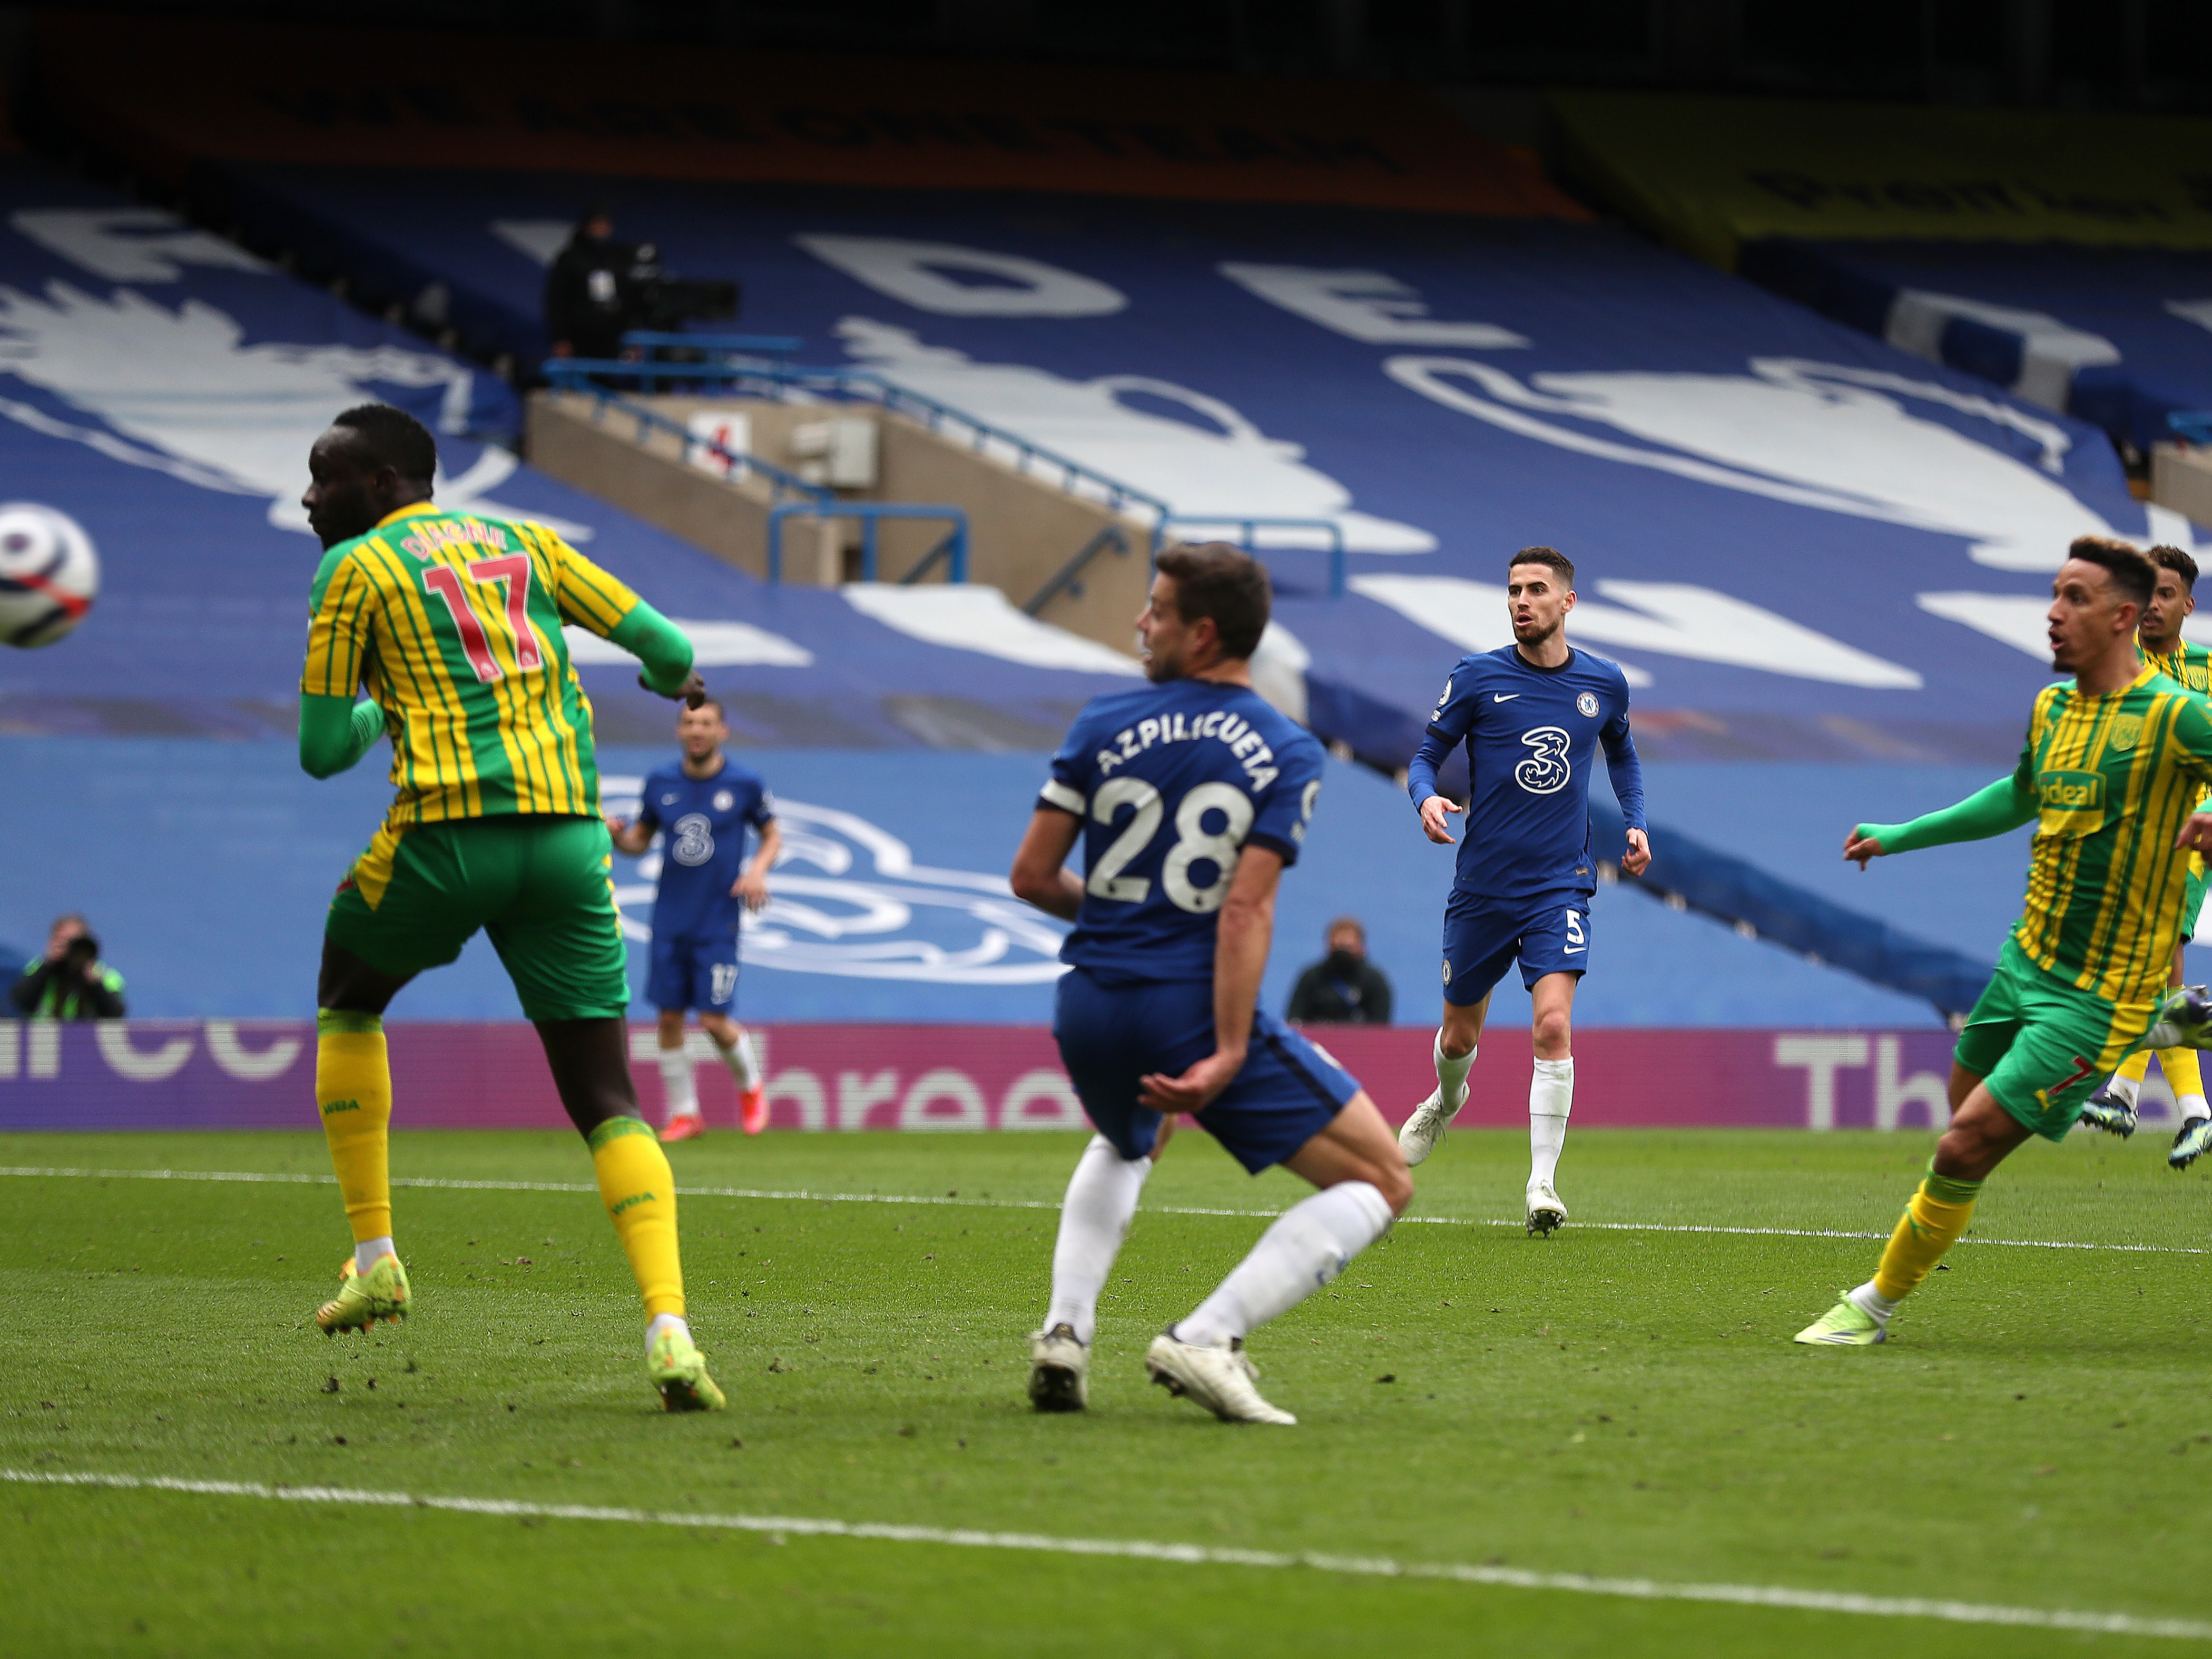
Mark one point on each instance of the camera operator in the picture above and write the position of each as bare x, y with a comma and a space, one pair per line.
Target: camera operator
599, 289
70, 981
588, 298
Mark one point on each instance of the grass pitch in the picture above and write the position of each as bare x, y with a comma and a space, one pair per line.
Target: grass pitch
1613, 1403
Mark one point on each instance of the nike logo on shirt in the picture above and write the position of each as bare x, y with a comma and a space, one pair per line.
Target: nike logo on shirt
1504, 696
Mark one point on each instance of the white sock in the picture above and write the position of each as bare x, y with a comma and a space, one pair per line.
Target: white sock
369, 1251
1551, 1098
1451, 1075
1094, 1219
678, 1083
2130, 1088
1307, 1245
665, 1323
739, 1058
1871, 1302
2192, 1107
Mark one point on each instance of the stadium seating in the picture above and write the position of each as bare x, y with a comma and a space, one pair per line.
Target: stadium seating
2121, 338
1806, 543
163, 387
891, 906
2063, 256
1230, 386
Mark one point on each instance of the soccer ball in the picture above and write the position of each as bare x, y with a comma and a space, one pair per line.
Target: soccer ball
49, 574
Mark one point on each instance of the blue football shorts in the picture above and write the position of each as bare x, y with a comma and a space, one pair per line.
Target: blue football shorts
1548, 931
693, 973
1112, 1035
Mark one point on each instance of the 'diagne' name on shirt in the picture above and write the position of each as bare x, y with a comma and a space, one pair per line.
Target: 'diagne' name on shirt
1246, 743
432, 534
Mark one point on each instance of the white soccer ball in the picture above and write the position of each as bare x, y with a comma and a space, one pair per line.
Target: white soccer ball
49, 574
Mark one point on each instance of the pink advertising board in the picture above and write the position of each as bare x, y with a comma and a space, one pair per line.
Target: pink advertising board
252, 1074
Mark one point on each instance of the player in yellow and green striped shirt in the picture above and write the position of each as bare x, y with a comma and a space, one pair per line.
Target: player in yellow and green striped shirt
2112, 1108
452, 623
2114, 769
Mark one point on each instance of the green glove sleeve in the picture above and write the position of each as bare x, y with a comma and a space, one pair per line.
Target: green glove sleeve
657, 643
1986, 812
335, 733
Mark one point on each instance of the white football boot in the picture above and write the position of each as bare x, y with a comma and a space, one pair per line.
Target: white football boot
1547, 1215
1424, 1131
1219, 1379
1060, 1371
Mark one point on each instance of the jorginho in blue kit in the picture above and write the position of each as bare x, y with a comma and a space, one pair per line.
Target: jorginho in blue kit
1533, 716
1525, 871
1191, 797
696, 909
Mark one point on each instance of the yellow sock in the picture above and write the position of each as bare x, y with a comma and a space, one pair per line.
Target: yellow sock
2182, 1071
1931, 1224
353, 1091
639, 1190
2136, 1066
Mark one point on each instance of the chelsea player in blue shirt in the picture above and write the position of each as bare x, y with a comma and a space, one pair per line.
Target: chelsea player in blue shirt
705, 803
1532, 715
1191, 796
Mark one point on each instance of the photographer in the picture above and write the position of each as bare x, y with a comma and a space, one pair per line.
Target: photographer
588, 300
599, 289
1344, 987
70, 981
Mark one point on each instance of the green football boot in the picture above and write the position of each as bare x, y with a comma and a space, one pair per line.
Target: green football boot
1846, 1325
2183, 1020
678, 1369
2112, 1110
2191, 1143
364, 1298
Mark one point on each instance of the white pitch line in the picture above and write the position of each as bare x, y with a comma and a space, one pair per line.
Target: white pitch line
1048, 1204
1138, 1549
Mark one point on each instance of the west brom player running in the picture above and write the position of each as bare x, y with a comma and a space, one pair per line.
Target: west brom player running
704, 803
2114, 766
451, 623
2112, 1108
1532, 715
1190, 798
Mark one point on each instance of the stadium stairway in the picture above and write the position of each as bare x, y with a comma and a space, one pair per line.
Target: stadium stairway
1068, 559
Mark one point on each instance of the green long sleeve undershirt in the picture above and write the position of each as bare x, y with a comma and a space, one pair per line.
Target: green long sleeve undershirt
657, 643
336, 732
2003, 805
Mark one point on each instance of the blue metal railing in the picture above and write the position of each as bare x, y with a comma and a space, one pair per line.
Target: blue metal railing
871, 514
815, 501
1248, 541
1068, 578
2192, 425
774, 345
864, 385
651, 368
651, 420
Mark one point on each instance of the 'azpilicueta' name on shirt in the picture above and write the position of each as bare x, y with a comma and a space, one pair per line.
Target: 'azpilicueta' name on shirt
1250, 749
